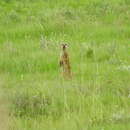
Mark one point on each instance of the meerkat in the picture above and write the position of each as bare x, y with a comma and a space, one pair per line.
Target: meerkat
64, 62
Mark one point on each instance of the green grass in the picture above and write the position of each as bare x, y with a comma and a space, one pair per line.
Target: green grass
36, 95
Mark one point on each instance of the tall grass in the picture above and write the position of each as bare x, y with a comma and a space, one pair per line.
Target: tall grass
97, 32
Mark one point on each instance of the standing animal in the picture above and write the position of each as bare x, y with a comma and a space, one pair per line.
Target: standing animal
64, 61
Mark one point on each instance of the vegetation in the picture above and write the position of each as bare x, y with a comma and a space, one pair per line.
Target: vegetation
97, 97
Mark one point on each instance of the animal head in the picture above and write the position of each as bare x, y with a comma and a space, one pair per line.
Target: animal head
64, 46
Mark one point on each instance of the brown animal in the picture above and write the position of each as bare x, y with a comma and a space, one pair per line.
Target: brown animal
64, 62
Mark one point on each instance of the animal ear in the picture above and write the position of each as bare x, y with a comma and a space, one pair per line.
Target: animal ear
66, 45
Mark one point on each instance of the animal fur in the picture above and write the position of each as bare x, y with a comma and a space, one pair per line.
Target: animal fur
64, 62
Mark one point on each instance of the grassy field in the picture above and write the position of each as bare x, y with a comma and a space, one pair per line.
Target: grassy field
34, 96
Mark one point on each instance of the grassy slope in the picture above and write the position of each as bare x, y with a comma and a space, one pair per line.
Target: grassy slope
98, 35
